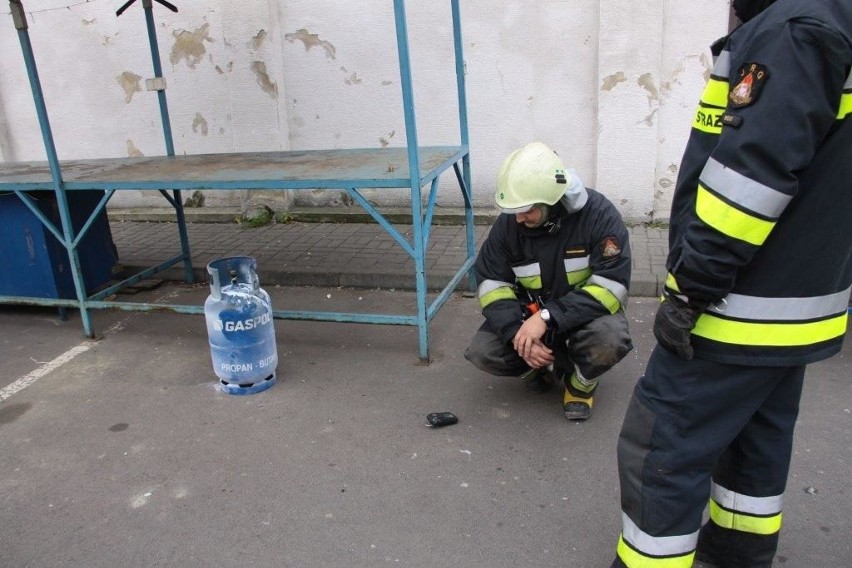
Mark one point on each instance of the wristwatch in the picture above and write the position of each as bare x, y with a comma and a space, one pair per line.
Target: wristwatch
545, 315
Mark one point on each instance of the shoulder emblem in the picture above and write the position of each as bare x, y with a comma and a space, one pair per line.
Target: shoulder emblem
610, 247
752, 78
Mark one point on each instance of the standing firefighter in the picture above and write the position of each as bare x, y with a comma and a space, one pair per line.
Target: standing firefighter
758, 287
553, 276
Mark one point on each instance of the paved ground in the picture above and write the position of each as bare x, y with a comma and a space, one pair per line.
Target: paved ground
340, 254
123, 452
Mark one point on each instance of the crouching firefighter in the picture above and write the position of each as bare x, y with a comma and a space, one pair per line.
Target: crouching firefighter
553, 278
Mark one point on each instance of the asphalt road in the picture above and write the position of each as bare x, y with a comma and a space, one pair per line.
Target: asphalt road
123, 451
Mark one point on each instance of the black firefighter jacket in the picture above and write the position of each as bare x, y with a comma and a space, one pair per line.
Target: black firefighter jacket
582, 270
761, 220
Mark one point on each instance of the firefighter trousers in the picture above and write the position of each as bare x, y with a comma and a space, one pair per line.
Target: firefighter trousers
593, 349
696, 431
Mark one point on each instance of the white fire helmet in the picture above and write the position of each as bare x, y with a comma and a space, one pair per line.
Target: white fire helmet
530, 175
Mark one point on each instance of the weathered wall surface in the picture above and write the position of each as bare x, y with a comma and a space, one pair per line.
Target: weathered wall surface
611, 85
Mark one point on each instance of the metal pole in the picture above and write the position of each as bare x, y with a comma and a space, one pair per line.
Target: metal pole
20, 21
414, 173
467, 189
167, 134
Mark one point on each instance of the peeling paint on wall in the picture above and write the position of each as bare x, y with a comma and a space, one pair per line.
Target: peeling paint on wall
353, 79
130, 82
258, 40
649, 120
190, 45
199, 122
646, 81
269, 87
311, 40
611, 81
708, 66
133, 151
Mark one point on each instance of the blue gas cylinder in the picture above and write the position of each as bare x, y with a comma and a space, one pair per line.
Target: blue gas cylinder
240, 327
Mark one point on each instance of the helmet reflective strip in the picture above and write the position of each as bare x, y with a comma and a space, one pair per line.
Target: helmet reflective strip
729, 220
783, 309
658, 545
743, 522
738, 502
743, 191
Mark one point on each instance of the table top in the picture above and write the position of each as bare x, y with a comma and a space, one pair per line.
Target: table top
307, 169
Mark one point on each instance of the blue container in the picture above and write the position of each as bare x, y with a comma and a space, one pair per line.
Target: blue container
240, 327
35, 263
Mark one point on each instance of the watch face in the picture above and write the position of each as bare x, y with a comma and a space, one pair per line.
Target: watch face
545, 314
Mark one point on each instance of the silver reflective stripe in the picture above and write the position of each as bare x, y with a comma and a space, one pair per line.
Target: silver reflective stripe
575, 264
744, 504
657, 545
488, 286
740, 189
783, 309
722, 65
848, 84
618, 290
533, 269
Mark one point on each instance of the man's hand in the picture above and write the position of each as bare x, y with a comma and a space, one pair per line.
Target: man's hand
673, 323
527, 342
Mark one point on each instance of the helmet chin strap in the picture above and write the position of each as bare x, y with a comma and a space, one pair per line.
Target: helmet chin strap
550, 223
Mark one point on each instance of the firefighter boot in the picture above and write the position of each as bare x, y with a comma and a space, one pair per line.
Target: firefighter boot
579, 396
537, 380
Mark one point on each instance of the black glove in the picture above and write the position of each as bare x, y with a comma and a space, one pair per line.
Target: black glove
674, 322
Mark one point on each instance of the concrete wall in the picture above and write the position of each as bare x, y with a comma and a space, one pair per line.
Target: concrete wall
611, 85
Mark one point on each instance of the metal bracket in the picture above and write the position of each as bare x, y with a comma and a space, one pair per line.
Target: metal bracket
145, 4
155, 84
18, 16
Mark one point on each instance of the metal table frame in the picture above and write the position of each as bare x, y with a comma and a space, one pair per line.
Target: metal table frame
411, 167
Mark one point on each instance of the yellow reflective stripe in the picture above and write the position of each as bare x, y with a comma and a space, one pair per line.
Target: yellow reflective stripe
790, 334
708, 120
671, 283
845, 106
716, 93
531, 282
729, 220
579, 276
746, 504
744, 523
581, 385
635, 559
604, 296
502, 293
